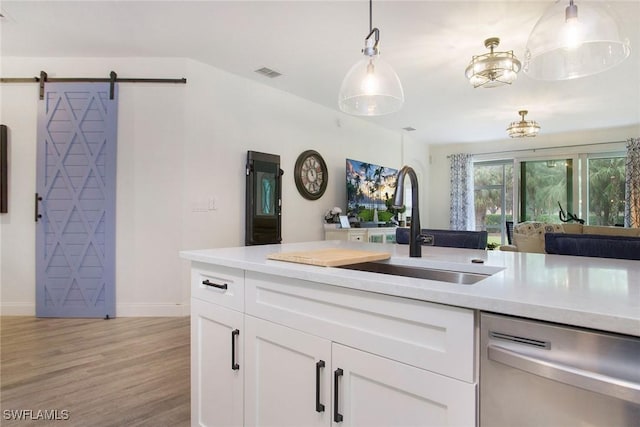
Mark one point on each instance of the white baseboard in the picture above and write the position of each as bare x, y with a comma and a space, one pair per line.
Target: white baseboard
122, 310
17, 309
152, 310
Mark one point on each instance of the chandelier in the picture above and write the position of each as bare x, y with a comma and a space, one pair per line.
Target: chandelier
523, 128
494, 68
371, 87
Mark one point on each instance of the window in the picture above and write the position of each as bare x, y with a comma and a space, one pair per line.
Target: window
606, 179
493, 197
587, 184
543, 185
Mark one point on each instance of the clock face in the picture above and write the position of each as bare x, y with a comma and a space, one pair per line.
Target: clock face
311, 175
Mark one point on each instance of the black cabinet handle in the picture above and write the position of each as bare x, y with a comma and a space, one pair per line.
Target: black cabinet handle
38, 215
207, 282
337, 416
319, 406
234, 334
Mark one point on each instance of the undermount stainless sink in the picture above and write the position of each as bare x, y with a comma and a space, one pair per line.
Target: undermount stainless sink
457, 277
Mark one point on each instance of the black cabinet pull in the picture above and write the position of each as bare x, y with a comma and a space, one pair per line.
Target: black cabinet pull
319, 406
207, 282
337, 416
37, 213
234, 365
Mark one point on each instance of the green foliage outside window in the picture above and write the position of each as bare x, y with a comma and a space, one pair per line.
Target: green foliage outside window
606, 191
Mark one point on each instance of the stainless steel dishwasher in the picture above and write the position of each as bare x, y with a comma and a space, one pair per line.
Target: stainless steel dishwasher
545, 375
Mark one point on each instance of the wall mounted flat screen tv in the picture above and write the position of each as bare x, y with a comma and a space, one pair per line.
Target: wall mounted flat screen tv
370, 189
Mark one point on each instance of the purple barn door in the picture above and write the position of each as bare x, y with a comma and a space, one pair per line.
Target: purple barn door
75, 214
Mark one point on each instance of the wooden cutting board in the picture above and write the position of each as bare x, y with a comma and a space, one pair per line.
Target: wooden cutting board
330, 257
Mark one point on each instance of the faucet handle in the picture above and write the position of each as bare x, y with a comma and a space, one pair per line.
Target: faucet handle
425, 239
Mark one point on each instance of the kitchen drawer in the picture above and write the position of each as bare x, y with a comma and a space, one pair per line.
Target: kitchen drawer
357, 236
350, 234
219, 285
430, 336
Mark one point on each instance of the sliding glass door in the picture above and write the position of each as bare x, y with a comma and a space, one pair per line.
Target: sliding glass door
545, 185
605, 181
493, 198
589, 186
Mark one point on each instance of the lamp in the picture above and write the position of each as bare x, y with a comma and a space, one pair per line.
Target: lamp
371, 87
571, 42
494, 68
523, 128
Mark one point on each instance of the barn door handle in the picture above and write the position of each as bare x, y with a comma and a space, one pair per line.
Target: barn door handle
337, 416
37, 213
207, 282
319, 406
234, 365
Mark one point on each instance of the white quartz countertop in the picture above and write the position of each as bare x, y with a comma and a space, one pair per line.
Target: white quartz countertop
596, 293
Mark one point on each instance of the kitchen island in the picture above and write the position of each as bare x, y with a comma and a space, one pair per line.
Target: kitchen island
329, 341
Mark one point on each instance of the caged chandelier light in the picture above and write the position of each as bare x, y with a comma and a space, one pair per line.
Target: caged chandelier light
571, 42
371, 87
494, 68
523, 128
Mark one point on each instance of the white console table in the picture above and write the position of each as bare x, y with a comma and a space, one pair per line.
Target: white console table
370, 235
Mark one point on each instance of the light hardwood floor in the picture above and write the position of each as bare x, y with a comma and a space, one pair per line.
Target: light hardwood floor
117, 372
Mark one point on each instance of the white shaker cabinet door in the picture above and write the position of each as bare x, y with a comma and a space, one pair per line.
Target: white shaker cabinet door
217, 365
287, 376
375, 391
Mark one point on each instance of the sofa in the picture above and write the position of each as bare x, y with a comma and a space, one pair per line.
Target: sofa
529, 236
593, 245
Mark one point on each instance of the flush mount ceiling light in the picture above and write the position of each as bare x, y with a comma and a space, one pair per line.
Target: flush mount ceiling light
494, 68
371, 87
570, 42
523, 128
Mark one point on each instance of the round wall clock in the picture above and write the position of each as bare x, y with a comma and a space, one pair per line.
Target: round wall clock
310, 175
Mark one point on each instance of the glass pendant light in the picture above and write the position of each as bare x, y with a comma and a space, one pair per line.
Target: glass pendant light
574, 40
371, 87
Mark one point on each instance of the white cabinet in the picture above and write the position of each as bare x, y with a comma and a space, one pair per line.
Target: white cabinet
287, 376
381, 235
311, 354
375, 391
217, 365
429, 336
290, 381
349, 234
217, 350
371, 235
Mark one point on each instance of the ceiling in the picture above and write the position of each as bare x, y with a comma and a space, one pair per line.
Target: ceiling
314, 43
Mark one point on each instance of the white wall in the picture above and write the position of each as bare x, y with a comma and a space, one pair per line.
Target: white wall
439, 163
179, 146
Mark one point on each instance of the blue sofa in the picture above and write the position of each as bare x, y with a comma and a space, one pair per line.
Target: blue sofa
593, 245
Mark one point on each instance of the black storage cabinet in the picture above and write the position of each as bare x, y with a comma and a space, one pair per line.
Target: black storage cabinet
263, 215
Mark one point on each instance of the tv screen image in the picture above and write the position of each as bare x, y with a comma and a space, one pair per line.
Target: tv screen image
370, 189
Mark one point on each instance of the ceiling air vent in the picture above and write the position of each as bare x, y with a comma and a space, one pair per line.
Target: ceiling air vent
268, 72
409, 129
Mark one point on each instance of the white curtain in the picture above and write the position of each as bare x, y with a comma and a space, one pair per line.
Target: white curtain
462, 211
632, 184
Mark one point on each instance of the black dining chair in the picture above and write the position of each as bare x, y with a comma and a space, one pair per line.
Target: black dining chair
446, 238
509, 229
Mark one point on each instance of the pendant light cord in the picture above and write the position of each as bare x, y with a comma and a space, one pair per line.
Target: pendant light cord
372, 32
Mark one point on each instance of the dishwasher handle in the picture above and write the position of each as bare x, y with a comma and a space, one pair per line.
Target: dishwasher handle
572, 376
